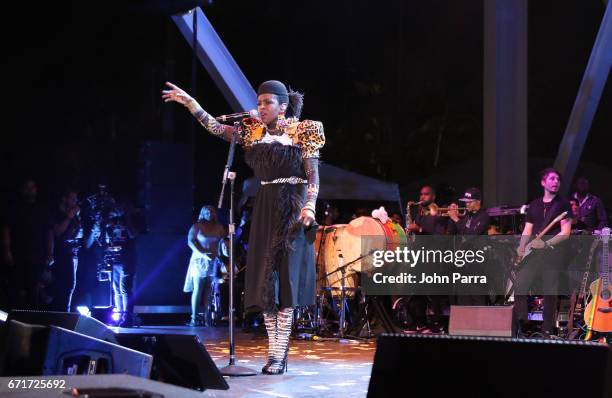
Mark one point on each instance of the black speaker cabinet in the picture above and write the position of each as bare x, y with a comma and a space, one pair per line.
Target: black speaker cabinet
177, 359
462, 366
27, 350
67, 320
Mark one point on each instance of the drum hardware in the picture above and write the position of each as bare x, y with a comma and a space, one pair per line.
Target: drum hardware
347, 241
343, 289
342, 297
379, 310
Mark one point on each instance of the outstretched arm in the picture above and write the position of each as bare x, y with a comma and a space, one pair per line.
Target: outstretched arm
179, 95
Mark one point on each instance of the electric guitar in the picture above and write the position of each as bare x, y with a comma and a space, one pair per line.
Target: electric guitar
528, 250
598, 313
528, 247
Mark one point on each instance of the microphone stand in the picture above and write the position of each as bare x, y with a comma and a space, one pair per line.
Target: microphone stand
232, 369
343, 288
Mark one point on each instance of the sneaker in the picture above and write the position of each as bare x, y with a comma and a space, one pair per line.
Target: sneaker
424, 330
413, 328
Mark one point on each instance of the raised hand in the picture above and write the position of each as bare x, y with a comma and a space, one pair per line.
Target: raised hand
176, 94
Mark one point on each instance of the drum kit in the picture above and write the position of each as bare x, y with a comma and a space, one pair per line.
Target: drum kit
342, 252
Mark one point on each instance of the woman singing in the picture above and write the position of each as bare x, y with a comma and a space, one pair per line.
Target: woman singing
283, 153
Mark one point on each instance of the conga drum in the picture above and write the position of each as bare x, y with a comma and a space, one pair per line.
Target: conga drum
371, 234
331, 252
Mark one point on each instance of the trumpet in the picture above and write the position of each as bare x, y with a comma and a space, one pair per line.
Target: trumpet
443, 211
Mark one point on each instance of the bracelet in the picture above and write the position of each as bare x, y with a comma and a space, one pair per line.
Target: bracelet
548, 245
308, 208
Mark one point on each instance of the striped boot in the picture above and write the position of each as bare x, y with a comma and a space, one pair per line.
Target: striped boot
284, 319
270, 322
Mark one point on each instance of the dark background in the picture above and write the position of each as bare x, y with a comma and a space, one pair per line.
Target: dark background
394, 82
397, 84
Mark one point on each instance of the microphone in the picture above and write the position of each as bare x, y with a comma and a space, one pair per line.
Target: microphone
239, 115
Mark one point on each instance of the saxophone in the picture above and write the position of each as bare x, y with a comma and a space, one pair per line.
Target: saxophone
409, 215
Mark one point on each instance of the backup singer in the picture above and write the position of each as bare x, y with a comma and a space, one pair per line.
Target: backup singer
550, 257
203, 239
283, 153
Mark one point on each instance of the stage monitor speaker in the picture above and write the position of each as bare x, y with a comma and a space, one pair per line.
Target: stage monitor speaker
50, 350
480, 321
67, 320
463, 366
177, 359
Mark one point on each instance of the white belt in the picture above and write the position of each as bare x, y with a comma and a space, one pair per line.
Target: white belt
286, 180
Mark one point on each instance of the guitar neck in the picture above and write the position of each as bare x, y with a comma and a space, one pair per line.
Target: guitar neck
605, 272
587, 270
547, 228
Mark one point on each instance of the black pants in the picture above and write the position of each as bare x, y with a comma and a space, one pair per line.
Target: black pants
539, 275
64, 274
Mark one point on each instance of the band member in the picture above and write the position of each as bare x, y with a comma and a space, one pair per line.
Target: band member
203, 239
549, 259
591, 210
427, 222
66, 238
283, 153
475, 222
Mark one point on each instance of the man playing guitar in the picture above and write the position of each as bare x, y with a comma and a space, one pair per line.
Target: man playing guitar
547, 258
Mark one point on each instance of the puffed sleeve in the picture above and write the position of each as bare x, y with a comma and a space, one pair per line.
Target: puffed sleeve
252, 131
311, 138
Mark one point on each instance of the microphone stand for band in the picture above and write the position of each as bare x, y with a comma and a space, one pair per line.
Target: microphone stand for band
378, 309
232, 369
343, 304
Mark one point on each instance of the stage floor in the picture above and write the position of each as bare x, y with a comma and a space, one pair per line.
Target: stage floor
316, 368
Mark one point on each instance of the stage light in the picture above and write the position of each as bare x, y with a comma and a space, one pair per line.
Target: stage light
83, 310
116, 316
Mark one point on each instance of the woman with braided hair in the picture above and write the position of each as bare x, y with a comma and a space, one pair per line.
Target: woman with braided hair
283, 153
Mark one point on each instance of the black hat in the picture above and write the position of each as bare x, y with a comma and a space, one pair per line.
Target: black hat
471, 194
274, 87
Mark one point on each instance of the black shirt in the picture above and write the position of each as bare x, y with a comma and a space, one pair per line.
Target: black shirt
431, 225
591, 212
72, 236
540, 214
471, 224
